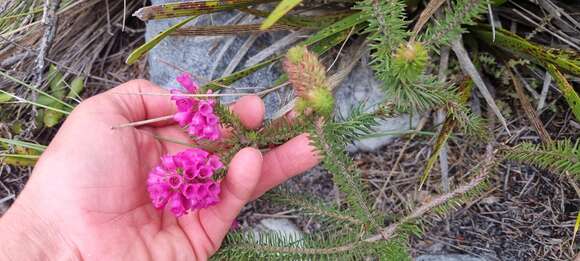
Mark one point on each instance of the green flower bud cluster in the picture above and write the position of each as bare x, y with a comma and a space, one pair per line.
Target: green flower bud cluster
410, 61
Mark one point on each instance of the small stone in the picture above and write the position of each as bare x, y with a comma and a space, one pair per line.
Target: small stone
435, 248
283, 227
490, 200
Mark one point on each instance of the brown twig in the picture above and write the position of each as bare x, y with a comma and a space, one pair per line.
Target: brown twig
427, 13
141, 123
440, 200
419, 127
528, 109
468, 66
49, 22
440, 118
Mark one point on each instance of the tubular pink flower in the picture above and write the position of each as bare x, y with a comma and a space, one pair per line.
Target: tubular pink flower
168, 163
175, 181
187, 82
196, 153
213, 188
212, 120
184, 104
197, 120
156, 176
196, 115
205, 108
205, 172
183, 182
190, 191
182, 118
212, 200
195, 130
190, 173
178, 205
211, 132
214, 162
159, 194
202, 191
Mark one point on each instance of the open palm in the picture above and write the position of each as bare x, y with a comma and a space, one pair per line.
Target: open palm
89, 187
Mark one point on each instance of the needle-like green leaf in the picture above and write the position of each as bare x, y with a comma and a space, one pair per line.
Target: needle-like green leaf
28, 145
34, 103
567, 90
283, 8
19, 160
143, 49
34, 88
5, 98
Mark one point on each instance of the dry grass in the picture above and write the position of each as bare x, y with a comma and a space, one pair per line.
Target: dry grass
89, 42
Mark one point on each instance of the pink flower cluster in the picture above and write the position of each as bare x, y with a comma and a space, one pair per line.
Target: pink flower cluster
184, 181
194, 114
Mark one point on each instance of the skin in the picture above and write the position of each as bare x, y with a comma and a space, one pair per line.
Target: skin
87, 198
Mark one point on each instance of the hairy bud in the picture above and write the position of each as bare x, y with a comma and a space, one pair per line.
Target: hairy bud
308, 78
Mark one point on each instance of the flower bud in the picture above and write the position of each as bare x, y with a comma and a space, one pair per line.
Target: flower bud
308, 78
410, 61
295, 54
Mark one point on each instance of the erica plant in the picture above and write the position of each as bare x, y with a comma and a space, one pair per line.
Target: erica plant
187, 180
402, 60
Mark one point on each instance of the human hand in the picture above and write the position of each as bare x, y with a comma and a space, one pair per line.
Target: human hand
87, 198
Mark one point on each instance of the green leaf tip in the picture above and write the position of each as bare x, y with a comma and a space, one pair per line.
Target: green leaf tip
283, 8
143, 49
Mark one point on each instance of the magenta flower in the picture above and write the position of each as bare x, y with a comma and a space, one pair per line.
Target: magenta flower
183, 181
196, 115
187, 82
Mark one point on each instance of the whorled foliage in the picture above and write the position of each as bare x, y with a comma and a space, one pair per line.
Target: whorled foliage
560, 157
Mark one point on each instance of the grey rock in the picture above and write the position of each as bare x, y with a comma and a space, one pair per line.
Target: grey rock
315, 182
197, 56
362, 87
448, 257
433, 248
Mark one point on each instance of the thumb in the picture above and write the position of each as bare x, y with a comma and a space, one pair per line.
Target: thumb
236, 190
